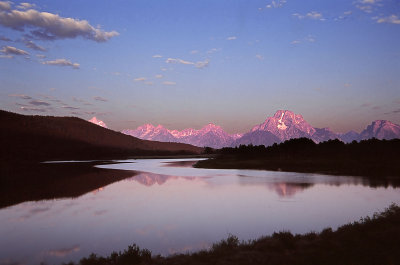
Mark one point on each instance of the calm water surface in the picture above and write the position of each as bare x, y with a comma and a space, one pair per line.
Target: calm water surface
170, 208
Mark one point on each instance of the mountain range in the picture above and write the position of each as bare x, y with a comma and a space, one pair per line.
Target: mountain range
283, 125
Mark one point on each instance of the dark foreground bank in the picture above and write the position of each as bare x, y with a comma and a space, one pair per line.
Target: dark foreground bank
376, 159
372, 240
33, 181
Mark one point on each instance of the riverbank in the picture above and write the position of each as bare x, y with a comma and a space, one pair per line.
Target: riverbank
33, 181
373, 159
372, 240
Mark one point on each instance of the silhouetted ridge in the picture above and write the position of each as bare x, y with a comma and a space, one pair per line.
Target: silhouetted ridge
47, 137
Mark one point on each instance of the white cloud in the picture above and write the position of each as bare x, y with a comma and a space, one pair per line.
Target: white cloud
367, 5
314, 15
259, 57
194, 52
213, 50
157, 56
393, 19
368, 1
34, 109
199, 64
62, 62
177, 60
311, 15
20, 96
48, 26
149, 83
276, 4
100, 99
232, 38
26, 6
40, 56
30, 44
169, 83
202, 64
366, 9
158, 76
7, 50
309, 38
5, 5
140, 79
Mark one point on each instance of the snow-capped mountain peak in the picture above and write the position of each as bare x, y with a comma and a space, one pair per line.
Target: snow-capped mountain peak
98, 122
285, 125
282, 126
210, 135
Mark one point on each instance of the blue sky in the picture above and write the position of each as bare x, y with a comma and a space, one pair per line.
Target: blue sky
187, 63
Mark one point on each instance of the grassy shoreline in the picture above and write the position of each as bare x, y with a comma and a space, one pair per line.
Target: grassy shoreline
372, 240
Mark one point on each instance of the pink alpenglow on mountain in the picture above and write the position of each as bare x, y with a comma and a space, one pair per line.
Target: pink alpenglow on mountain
284, 125
381, 129
210, 135
98, 122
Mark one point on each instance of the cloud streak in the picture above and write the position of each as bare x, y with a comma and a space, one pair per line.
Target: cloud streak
22, 96
179, 61
100, 99
140, 79
63, 251
25, 6
310, 15
30, 44
39, 103
199, 64
393, 19
62, 62
12, 50
48, 26
276, 4
5, 5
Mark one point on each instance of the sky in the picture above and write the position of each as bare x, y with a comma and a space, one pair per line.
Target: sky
184, 63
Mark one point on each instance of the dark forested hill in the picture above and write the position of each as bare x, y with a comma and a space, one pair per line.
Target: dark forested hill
24, 137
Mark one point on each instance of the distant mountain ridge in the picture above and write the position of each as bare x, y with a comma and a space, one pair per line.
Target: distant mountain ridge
282, 126
210, 135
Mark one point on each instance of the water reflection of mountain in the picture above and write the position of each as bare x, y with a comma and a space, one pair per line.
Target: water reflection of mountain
150, 179
189, 163
288, 189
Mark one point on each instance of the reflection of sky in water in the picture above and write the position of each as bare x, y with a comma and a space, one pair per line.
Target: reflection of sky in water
168, 210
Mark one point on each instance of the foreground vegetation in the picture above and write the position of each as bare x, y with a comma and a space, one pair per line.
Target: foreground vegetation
372, 240
377, 159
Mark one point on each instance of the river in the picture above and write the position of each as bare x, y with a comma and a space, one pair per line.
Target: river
169, 207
